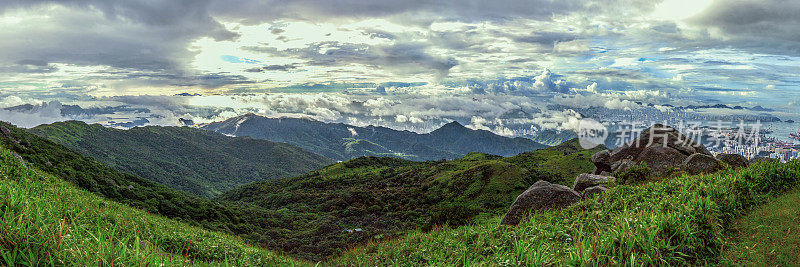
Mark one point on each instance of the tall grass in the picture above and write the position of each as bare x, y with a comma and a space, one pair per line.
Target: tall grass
676, 222
47, 221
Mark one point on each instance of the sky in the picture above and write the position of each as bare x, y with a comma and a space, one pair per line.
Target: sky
404, 64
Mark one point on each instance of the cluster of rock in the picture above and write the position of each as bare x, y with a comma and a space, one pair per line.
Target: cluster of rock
662, 148
543, 196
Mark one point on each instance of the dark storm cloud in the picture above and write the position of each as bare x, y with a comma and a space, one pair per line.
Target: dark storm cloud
259, 11
769, 25
544, 39
376, 33
161, 79
403, 58
127, 34
612, 73
29, 66
717, 89
284, 67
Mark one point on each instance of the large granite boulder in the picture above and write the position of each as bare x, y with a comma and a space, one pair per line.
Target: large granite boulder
586, 180
622, 165
540, 197
660, 159
601, 161
701, 163
734, 160
660, 147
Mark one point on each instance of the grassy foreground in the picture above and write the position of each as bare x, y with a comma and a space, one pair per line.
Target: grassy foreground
47, 221
675, 222
769, 235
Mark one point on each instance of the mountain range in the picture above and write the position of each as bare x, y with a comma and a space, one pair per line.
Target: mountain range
341, 142
200, 162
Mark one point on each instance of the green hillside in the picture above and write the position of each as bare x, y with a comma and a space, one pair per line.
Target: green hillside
193, 160
681, 221
256, 225
47, 221
371, 198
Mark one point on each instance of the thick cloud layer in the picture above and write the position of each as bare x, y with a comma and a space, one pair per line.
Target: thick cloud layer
767, 25
426, 61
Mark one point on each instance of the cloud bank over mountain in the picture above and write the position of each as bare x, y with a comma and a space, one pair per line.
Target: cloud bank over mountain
401, 63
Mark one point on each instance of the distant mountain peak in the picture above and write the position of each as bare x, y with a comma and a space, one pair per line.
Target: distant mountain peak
453, 125
250, 115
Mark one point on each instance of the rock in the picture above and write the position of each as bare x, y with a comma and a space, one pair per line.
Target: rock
601, 161
5, 131
622, 165
701, 163
661, 147
591, 191
757, 160
601, 156
660, 159
734, 160
685, 149
702, 149
625, 153
586, 180
540, 197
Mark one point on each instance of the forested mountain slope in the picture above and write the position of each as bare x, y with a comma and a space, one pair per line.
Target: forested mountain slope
193, 160
342, 142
